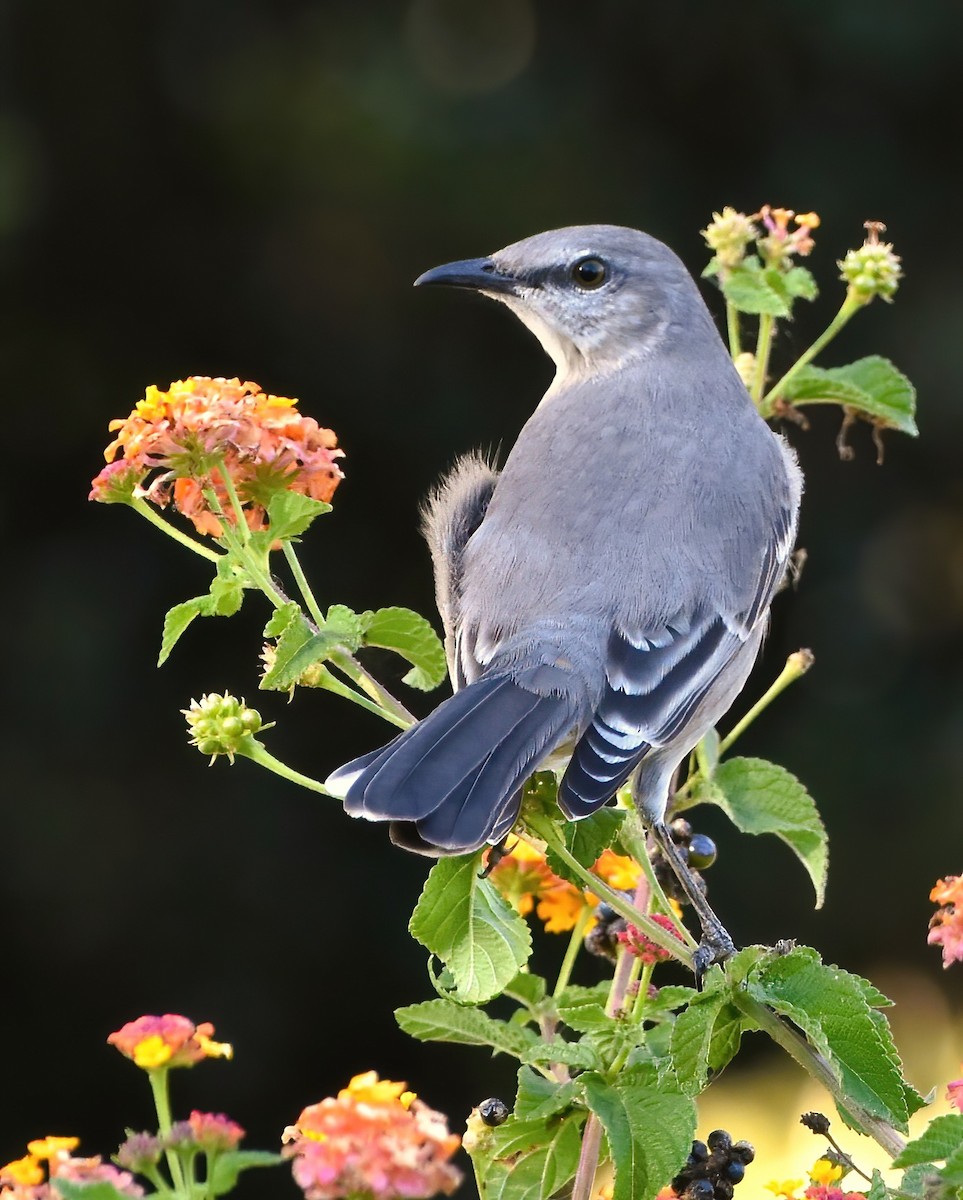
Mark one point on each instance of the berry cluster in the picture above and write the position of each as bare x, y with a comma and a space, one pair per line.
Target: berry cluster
713, 1168
697, 850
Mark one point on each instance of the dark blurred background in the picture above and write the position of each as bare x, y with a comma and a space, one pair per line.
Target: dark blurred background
248, 187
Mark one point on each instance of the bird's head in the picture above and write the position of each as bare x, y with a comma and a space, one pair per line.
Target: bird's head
594, 295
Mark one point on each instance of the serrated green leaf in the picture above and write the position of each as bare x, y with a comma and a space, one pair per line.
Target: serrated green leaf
649, 1126
942, 1138
527, 988
918, 1180
581, 1056
872, 386
829, 1005
411, 636
294, 635
585, 1017
530, 1159
281, 618
227, 596
877, 1189
747, 288
669, 997
465, 922
689, 1044
318, 648
539, 1098
290, 514
177, 620
446, 1021
761, 797
730, 1025
230, 1163
588, 838
800, 283
345, 624
952, 1172
576, 994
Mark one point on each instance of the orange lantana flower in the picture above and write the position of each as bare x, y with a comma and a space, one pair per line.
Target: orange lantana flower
204, 439
375, 1138
168, 1041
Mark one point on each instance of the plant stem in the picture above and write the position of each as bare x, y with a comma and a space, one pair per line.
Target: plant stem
252, 749
333, 684
812, 1061
302, 581
342, 659
732, 325
162, 1103
642, 995
763, 347
139, 505
797, 665
571, 952
848, 308
588, 1159
636, 845
652, 930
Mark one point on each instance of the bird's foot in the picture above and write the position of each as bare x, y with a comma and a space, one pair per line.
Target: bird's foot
716, 946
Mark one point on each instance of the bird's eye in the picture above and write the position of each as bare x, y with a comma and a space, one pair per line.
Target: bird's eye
589, 272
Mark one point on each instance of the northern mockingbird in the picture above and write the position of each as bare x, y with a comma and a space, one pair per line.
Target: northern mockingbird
608, 590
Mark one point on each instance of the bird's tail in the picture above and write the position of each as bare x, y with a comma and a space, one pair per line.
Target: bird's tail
454, 780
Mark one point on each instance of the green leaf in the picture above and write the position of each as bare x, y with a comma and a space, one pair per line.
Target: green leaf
649, 1126
71, 1190
952, 1173
585, 1017
281, 618
942, 1138
799, 283
581, 1056
227, 588
872, 386
527, 989
539, 1097
229, 1164
918, 1181
411, 636
829, 1005
476, 933
761, 797
877, 1189
748, 289
294, 635
290, 513
177, 620
345, 624
287, 671
730, 1024
691, 1035
446, 1021
530, 1159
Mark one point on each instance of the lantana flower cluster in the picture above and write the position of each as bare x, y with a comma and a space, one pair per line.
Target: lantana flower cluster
34, 1176
168, 1041
525, 879
946, 924
208, 442
375, 1138
825, 1177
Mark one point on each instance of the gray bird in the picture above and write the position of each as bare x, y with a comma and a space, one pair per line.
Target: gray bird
607, 592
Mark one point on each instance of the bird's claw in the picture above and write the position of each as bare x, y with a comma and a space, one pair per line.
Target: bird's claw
716, 946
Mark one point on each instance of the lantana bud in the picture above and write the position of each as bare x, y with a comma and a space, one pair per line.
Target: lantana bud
873, 269
219, 724
728, 234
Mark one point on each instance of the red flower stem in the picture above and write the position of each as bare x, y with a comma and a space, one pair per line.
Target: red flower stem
588, 1161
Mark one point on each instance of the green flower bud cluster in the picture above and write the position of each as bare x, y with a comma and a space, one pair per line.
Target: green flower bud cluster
219, 724
728, 234
872, 270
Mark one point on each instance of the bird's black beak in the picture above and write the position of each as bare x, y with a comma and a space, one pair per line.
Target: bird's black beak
481, 274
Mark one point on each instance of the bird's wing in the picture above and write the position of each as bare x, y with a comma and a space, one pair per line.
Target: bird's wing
657, 677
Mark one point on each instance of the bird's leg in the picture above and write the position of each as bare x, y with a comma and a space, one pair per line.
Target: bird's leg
716, 945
